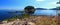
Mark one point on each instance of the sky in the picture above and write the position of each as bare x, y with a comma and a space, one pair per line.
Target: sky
21, 4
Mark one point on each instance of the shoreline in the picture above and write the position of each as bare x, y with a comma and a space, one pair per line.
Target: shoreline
34, 20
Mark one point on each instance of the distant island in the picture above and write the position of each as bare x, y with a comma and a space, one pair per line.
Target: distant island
57, 8
40, 9
54, 9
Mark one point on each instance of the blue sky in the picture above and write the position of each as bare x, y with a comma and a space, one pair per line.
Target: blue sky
21, 4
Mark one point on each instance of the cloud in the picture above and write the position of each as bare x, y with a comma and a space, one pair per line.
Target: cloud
54, 3
39, 0
50, 5
58, 5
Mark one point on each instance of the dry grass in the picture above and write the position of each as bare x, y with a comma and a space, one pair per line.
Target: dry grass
42, 20
45, 20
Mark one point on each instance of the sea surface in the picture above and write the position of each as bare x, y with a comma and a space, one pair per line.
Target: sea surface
45, 12
4, 13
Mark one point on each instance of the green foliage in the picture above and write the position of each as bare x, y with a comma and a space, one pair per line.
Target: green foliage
29, 9
25, 16
58, 8
17, 17
12, 18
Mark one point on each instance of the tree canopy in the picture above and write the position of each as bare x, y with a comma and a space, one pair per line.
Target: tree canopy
29, 9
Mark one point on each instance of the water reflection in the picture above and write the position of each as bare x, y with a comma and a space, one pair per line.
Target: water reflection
45, 12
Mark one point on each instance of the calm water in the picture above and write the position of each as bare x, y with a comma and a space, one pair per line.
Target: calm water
45, 12
4, 14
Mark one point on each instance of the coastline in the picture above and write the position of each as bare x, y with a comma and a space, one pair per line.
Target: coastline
35, 20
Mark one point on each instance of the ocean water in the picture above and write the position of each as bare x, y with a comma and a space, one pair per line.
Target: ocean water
45, 12
4, 13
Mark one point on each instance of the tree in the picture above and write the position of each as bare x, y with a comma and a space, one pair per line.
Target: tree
29, 10
58, 8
